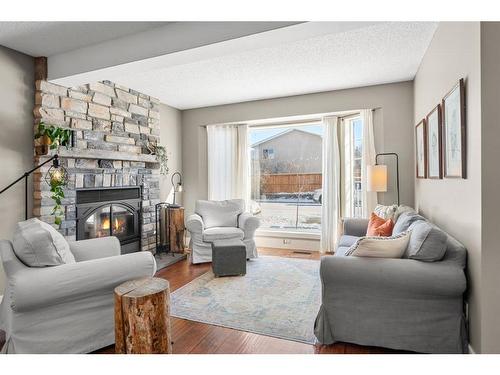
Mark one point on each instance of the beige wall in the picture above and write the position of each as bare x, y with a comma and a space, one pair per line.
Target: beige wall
170, 137
16, 142
455, 204
393, 130
490, 186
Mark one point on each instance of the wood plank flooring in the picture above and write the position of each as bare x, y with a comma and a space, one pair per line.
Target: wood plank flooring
200, 338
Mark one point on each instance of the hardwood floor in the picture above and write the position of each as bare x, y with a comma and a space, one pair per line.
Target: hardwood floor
200, 338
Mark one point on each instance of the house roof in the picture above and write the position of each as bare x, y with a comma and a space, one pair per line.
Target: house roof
281, 134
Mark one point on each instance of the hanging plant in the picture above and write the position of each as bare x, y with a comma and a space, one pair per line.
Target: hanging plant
161, 156
56, 188
53, 137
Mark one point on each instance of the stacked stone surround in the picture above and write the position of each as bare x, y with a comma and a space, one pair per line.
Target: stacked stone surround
111, 127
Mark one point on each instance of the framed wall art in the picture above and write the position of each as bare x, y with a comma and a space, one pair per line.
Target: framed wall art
434, 144
454, 132
421, 149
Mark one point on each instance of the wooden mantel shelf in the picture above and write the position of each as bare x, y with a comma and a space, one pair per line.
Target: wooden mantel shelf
103, 154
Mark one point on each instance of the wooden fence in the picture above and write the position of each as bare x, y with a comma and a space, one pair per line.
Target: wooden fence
289, 183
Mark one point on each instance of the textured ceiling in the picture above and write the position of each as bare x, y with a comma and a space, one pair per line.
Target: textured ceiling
377, 54
50, 38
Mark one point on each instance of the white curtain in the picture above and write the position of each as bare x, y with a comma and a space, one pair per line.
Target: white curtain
369, 199
330, 209
228, 162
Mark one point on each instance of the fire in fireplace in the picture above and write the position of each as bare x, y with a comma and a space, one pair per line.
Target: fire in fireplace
110, 212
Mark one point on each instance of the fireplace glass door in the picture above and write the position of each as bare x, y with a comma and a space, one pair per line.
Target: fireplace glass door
123, 222
110, 220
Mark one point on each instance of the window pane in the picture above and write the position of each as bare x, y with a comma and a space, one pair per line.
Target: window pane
357, 142
286, 164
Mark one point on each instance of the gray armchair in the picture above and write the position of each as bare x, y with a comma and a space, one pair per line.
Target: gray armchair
66, 308
220, 220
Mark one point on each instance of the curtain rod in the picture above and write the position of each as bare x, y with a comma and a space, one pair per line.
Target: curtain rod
306, 121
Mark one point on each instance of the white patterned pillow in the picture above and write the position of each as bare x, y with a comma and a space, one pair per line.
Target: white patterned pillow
380, 247
386, 212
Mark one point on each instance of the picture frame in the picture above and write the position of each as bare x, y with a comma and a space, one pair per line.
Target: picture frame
454, 132
421, 149
434, 143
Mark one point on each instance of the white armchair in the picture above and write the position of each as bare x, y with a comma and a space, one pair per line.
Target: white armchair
67, 308
219, 220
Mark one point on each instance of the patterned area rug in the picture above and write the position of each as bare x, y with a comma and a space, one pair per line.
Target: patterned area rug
278, 297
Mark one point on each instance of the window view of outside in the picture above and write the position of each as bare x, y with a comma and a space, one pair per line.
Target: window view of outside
357, 141
286, 165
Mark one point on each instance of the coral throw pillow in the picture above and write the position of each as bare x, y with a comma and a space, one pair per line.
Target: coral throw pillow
379, 227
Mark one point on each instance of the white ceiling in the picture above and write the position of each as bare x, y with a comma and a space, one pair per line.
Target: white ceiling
239, 62
376, 54
50, 38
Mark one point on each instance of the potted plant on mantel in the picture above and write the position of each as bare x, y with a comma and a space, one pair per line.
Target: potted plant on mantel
52, 137
161, 156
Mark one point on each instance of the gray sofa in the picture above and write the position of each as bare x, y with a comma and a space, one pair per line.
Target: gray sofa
403, 304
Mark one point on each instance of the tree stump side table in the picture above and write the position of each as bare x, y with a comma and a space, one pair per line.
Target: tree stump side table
176, 229
142, 317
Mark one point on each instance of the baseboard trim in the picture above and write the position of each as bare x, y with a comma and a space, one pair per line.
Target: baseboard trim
471, 350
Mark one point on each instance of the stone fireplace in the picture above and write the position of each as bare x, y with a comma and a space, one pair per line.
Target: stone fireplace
112, 126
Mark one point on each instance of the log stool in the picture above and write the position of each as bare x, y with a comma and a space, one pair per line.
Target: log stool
142, 317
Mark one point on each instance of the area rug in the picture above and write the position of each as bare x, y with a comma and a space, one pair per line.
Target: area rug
278, 297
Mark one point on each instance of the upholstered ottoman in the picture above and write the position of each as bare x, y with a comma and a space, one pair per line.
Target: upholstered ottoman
229, 258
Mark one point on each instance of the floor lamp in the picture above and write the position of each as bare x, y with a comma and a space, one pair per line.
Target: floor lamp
55, 172
377, 175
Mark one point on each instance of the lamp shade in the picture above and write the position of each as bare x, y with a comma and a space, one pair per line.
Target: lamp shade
376, 176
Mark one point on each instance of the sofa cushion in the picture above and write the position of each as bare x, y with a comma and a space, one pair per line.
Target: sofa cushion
38, 244
405, 220
380, 247
222, 233
346, 240
220, 213
427, 242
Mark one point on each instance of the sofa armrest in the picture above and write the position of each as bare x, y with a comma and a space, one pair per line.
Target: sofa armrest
194, 224
248, 223
95, 248
389, 277
353, 226
39, 287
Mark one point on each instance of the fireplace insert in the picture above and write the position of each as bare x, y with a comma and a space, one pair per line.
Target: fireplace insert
110, 212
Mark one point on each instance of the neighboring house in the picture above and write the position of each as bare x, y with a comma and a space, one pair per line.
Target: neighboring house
288, 162
292, 151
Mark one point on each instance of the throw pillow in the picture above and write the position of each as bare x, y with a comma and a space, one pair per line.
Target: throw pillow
427, 242
379, 227
386, 212
380, 247
405, 220
38, 244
